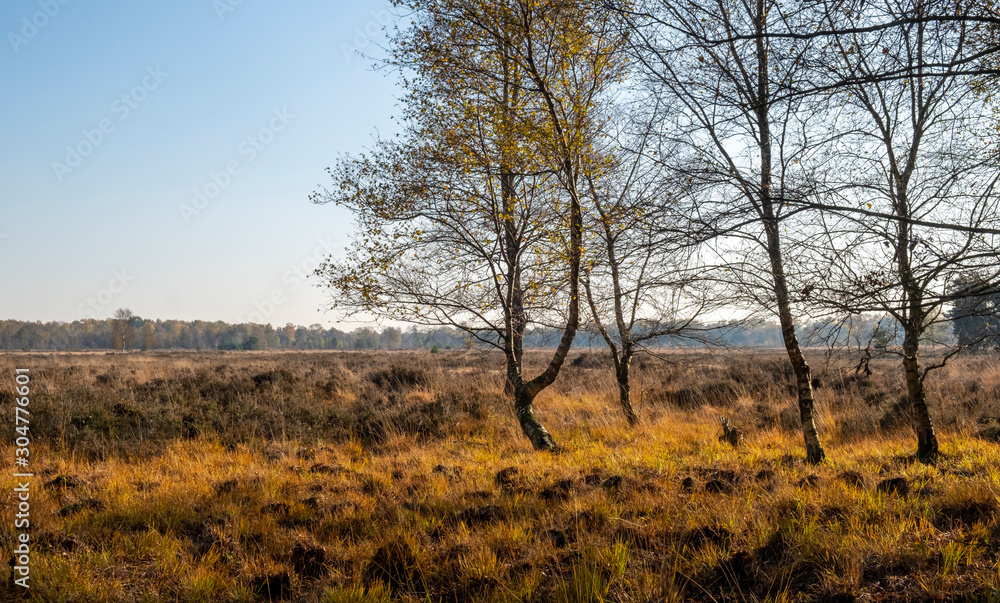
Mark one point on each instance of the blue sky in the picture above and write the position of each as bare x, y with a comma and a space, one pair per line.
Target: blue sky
116, 114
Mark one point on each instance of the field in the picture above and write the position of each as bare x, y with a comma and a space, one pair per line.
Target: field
349, 477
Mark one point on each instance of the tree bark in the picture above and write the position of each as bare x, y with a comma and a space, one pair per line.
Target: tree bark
624, 390
915, 317
532, 428
927, 444
803, 374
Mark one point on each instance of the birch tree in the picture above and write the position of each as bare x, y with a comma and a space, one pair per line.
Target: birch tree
914, 208
641, 279
722, 70
473, 218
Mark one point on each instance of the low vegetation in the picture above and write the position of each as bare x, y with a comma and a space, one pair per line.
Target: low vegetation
350, 477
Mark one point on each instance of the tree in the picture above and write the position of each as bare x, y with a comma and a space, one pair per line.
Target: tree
719, 70
148, 336
638, 280
289, 332
473, 218
975, 315
365, 338
915, 207
391, 338
251, 342
123, 330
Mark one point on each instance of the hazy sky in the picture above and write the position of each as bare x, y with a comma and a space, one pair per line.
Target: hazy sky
159, 155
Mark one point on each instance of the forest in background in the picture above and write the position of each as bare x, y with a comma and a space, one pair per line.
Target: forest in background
149, 334
91, 334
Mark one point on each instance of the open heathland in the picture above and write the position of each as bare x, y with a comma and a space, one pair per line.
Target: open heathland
378, 476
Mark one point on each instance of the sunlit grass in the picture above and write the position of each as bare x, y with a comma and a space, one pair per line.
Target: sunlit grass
419, 515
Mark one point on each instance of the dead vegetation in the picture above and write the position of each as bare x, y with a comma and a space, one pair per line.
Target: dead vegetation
403, 476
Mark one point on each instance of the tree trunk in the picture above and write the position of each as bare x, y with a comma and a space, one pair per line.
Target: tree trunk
803, 376
525, 391
516, 319
913, 326
927, 444
539, 437
624, 390
807, 413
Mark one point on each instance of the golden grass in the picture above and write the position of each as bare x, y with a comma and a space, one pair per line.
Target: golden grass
374, 477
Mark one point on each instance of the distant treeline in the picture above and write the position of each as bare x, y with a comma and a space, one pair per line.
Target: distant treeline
91, 334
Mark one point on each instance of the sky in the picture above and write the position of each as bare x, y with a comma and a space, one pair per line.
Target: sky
159, 156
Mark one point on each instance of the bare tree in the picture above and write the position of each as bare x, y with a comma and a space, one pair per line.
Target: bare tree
719, 68
913, 208
640, 281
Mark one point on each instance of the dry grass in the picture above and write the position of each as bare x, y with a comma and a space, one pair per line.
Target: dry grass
355, 477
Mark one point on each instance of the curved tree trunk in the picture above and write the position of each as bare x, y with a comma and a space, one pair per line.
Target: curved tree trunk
524, 390
525, 411
914, 320
623, 363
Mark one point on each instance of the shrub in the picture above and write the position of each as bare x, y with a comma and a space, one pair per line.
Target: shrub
398, 377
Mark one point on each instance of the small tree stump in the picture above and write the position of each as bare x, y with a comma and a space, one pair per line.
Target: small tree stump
730, 434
